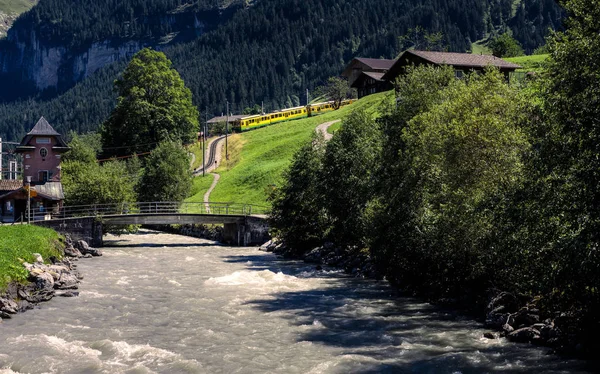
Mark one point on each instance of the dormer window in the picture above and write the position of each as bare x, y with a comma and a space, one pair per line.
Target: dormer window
43, 152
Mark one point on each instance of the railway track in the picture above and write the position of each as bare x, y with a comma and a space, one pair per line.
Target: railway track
212, 154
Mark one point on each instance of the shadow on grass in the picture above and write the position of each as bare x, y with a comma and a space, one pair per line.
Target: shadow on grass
379, 331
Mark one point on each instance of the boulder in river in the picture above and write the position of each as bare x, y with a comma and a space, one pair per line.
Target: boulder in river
524, 335
85, 249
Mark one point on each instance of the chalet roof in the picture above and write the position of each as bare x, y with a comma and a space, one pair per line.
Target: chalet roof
368, 64
377, 63
42, 128
367, 74
463, 59
7, 185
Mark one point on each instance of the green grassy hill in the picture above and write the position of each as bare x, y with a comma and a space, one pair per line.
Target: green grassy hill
258, 158
10, 10
534, 63
18, 243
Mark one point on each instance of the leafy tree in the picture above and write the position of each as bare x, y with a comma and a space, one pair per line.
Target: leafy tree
505, 46
337, 89
153, 105
348, 178
167, 175
297, 216
87, 183
84, 148
256, 109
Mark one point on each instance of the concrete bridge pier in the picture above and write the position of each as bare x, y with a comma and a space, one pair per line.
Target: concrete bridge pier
246, 232
84, 228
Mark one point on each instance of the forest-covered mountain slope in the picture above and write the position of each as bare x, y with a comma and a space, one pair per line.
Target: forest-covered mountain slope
265, 50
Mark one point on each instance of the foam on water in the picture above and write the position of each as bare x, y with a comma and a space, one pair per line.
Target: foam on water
246, 277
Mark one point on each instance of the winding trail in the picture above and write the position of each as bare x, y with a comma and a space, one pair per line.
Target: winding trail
214, 159
323, 129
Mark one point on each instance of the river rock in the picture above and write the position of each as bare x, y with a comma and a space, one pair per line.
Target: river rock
314, 256
67, 281
68, 294
526, 317
85, 249
71, 251
507, 328
524, 335
42, 279
8, 306
490, 335
38, 258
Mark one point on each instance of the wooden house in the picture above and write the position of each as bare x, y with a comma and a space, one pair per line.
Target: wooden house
365, 74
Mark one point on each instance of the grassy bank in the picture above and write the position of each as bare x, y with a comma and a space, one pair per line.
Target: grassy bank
265, 153
18, 243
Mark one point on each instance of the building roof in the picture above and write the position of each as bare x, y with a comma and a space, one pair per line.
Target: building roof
42, 128
370, 64
377, 63
365, 75
232, 118
7, 185
463, 59
48, 190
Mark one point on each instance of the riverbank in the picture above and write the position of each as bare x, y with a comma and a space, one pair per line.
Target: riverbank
37, 264
517, 318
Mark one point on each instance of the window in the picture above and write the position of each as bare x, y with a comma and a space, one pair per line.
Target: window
43, 175
458, 73
43, 152
42, 140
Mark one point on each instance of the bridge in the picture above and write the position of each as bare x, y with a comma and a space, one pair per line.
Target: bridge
244, 224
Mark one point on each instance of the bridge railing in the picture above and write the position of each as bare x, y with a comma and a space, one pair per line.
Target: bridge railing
156, 207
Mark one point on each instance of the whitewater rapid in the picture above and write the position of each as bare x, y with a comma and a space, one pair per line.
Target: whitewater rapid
161, 303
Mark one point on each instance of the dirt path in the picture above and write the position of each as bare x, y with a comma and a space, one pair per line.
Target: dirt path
212, 187
323, 129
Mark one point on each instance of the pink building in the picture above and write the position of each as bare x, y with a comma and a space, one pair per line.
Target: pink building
41, 150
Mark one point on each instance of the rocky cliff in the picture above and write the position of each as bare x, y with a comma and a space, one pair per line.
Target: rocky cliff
42, 64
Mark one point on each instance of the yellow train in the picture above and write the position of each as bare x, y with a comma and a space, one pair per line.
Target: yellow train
259, 120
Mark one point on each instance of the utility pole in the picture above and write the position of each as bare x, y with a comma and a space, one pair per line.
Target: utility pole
307, 100
204, 143
226, 130
28, 179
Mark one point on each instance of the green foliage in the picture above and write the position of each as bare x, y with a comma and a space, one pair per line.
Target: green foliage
505, 46
533, 63
167, 175
256, 109
18, 243
153, 105
297, 214
336, 89
348, 178
84, 148
87, 183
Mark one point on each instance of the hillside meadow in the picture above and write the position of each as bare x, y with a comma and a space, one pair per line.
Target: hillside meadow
258, 158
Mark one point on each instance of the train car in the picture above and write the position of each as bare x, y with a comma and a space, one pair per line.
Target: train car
259, 120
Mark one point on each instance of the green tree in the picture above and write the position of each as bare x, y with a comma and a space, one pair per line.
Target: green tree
167, 175
337, 90
256, 109
297, 216
153, 105
348, 178
505, 46
87, 183
84, 148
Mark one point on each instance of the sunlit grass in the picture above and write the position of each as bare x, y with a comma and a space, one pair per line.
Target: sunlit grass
533, 63
18, 243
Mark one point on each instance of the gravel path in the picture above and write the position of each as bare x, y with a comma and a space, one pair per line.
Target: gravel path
323, 129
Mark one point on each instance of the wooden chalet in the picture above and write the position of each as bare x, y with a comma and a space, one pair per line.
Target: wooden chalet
41, 151
365, 74
462, 63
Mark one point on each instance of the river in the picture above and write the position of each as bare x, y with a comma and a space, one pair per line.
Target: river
173, 304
